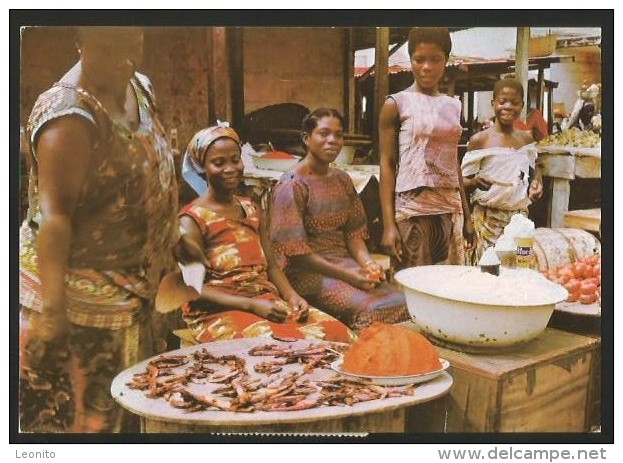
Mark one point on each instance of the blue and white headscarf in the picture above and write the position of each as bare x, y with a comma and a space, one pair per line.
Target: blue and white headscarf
194, 157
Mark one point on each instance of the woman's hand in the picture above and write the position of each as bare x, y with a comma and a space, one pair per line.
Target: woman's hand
360, 279
52, 326
373, 270
469, 233
536, 190
478, 182
300, 308
47, 338
270, 310
391, 241
187, 251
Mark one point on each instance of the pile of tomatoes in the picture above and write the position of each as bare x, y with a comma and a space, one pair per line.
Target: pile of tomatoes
582, 279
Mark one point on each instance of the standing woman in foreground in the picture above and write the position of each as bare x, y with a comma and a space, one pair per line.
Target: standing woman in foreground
423, 203
96, 239
318, 228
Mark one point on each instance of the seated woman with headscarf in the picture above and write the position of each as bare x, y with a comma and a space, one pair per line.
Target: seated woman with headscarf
244, 294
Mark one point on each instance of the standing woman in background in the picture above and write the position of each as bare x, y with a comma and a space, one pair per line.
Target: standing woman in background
423, 203
101, 218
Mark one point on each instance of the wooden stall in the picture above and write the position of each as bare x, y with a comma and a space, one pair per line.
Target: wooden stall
563, 166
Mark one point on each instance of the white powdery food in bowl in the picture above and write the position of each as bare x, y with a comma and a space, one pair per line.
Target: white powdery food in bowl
462, 305
519, 226
489, 257
505, 244
513, 287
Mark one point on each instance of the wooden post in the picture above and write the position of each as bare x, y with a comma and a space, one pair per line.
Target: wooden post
522, 62
470, 111
236, 67
211, 111
349, 81
561, 189
540, 89
221, 83
381, 79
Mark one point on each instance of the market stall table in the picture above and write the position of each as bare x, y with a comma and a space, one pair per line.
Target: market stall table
259, 184
424, 411
262, 181
564, 164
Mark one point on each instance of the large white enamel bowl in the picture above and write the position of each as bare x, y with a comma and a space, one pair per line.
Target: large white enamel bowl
461, 305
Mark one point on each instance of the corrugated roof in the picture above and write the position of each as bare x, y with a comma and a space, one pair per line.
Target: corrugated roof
467, 63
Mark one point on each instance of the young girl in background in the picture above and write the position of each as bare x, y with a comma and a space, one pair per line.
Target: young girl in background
499, 168
424, 207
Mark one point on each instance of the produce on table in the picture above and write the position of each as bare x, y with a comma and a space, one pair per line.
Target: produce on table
390, 350
582, 279
277, 155
572, 137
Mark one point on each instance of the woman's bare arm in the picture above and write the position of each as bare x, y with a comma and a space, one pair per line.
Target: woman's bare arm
388, 150
63, 151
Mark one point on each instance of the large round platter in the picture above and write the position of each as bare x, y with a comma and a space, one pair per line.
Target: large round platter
392, 380
575, 308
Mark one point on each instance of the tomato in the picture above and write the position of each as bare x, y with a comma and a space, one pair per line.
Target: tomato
573, 297
578, 269
374, 274
566, 271
596, 270
588, 272
573, 286
564, 279
593, 281
588, 298
587, 287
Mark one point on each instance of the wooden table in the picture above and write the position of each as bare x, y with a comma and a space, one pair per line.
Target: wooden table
563, 166
545, 385
585, 219
422, 412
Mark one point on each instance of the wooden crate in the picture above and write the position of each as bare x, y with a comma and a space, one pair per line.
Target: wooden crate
546, 385
587, 326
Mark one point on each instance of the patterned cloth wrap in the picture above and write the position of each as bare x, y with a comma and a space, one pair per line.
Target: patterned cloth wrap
238, 266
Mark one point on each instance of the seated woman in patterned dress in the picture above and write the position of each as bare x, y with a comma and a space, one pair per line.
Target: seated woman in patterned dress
243, 294
318, 228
